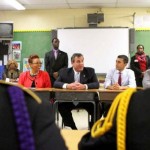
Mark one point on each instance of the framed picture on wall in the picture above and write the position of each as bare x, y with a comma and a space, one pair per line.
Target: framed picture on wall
17, 55
26, 66
16, 45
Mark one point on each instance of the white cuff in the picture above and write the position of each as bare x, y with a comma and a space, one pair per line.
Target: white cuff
64, 86
86, 87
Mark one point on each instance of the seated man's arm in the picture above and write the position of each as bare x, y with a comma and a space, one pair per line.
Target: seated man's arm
146, 79
108, 81
93, 81
58, 83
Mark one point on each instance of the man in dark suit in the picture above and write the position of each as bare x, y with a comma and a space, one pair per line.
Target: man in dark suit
26, 121
55, 60
127, 129
140, 62
77, 77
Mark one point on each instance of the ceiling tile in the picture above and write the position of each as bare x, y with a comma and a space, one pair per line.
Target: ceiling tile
53, 4
91, 1
91, 5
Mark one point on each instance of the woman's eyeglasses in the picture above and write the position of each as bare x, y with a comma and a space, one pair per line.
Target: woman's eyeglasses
37, 63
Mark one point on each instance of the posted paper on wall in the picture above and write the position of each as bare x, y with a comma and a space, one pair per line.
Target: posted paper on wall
5, 59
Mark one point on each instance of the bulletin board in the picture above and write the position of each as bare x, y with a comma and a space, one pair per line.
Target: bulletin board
143, 37
33, 43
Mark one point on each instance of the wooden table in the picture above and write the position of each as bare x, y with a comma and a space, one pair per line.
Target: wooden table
84, 96
72, 138
77, 95
74, 95
108, 95
43, 93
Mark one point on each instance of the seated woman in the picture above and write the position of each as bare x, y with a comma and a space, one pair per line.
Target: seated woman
12, 72
35, 78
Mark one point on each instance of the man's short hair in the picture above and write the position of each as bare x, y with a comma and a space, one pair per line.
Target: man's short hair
124, 57
75, 55
55, 38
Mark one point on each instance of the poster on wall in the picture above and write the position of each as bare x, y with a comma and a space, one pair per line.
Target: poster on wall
17, 55
5, 59
16, 45
26, 66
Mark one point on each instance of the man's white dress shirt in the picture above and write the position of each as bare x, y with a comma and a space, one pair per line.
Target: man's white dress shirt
127, 78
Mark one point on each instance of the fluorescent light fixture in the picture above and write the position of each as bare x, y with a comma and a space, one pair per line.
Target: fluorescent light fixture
15, 4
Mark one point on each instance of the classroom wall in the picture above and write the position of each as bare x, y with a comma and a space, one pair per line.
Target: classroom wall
61, 18
46, 20
33, 43
142, 37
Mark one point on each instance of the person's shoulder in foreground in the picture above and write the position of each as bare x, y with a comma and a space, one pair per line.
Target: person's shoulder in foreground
34, 129
126, 126
146, 79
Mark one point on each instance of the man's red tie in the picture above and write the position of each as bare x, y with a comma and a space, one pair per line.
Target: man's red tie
119, 79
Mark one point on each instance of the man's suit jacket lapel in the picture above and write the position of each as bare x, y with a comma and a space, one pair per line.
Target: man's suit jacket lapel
58, 55
52, 55
83, 77
71, 75
52, 59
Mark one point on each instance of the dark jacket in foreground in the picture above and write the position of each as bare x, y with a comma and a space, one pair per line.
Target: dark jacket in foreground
46, 134
137, 131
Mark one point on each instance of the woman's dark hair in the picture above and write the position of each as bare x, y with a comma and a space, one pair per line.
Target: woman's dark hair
140, 46
31, 57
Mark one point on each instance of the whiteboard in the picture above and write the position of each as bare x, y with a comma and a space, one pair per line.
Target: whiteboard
100, 46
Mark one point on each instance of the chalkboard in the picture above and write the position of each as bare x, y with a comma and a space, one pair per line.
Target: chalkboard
33, 43
142, 37
100, 46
